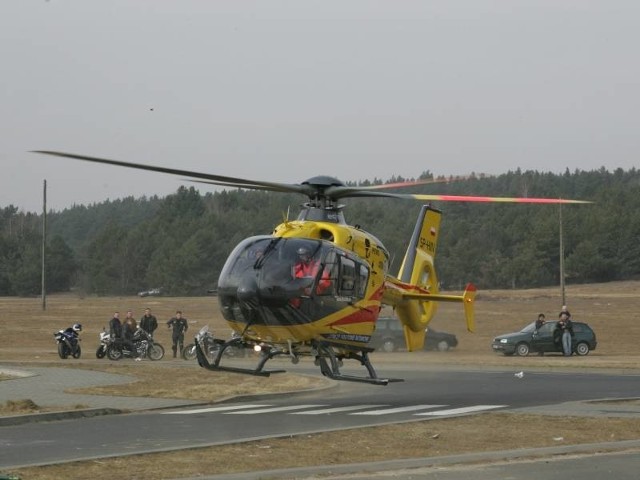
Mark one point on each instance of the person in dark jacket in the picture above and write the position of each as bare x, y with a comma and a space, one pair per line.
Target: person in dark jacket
115, 326
179, 325
117, 331
148, 322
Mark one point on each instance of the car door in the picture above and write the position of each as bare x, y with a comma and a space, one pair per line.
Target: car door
542, 340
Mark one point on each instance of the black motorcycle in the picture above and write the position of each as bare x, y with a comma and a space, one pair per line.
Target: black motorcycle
68, 344
143, 347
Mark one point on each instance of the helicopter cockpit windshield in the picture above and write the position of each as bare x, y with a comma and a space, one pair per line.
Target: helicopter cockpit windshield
274, 277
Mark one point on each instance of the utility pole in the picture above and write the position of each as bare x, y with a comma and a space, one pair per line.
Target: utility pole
44, 243
564, 302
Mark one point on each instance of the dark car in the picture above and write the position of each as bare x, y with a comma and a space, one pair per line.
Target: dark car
547, 339
389, 337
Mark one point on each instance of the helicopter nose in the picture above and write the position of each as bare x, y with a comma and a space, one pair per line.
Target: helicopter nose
247, 289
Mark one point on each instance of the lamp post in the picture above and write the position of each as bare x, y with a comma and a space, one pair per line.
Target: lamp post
44, 244
561, 257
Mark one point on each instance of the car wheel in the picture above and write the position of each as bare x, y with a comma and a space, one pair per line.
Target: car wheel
443, 346
522, 349
388, 346
582, 349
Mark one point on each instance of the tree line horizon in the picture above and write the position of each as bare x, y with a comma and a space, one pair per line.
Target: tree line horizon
180, 242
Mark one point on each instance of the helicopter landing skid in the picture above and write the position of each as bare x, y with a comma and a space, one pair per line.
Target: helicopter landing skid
330, 363
203, 361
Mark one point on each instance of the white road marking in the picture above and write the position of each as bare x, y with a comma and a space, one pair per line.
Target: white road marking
274, 409
336, 409
388, 411
256, 409
458, 411
213, 409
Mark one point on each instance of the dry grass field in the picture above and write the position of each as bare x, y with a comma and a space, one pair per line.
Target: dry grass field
611, 309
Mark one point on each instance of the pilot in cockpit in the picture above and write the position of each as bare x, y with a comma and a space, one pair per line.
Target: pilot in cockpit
305, 266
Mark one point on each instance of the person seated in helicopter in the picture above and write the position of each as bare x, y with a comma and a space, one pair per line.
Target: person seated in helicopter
307, 267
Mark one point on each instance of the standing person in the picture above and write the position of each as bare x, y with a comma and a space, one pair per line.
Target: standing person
566, 328
148, 322
180, 326
539, 323
115, 326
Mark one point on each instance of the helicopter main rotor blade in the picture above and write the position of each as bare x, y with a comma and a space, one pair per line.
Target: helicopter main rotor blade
326, 187
342, 191
446, 198
470, 198
214, 179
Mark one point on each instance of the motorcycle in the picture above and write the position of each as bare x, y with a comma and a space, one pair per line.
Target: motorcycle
68, 344
211, 346
143, 346
105, 341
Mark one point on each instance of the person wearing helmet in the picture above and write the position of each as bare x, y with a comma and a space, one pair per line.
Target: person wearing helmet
73, 333
305, 266
74, 329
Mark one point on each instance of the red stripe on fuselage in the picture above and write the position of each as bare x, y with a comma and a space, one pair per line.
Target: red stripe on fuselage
362, 316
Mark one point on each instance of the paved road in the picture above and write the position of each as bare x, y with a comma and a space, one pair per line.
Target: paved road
423, 394
46, 387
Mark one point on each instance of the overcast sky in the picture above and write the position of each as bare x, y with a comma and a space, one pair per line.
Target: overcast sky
285, 90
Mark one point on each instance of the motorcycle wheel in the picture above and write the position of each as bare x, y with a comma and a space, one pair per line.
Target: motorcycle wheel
78, 352
114, 353
101, 351
155, 351
62, 351
189, 352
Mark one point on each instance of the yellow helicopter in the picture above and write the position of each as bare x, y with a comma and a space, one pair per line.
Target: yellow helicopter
315, 286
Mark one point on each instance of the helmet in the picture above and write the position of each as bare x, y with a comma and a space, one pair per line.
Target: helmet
304, 254
77, 327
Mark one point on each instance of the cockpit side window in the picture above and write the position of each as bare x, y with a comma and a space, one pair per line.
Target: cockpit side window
353, 278
362, 281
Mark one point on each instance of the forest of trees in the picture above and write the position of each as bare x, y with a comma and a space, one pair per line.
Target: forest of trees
179, 243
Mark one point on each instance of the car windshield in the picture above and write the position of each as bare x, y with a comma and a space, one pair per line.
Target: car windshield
529, 328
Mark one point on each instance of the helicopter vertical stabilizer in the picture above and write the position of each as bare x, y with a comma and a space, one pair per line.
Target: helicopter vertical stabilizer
418, 269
